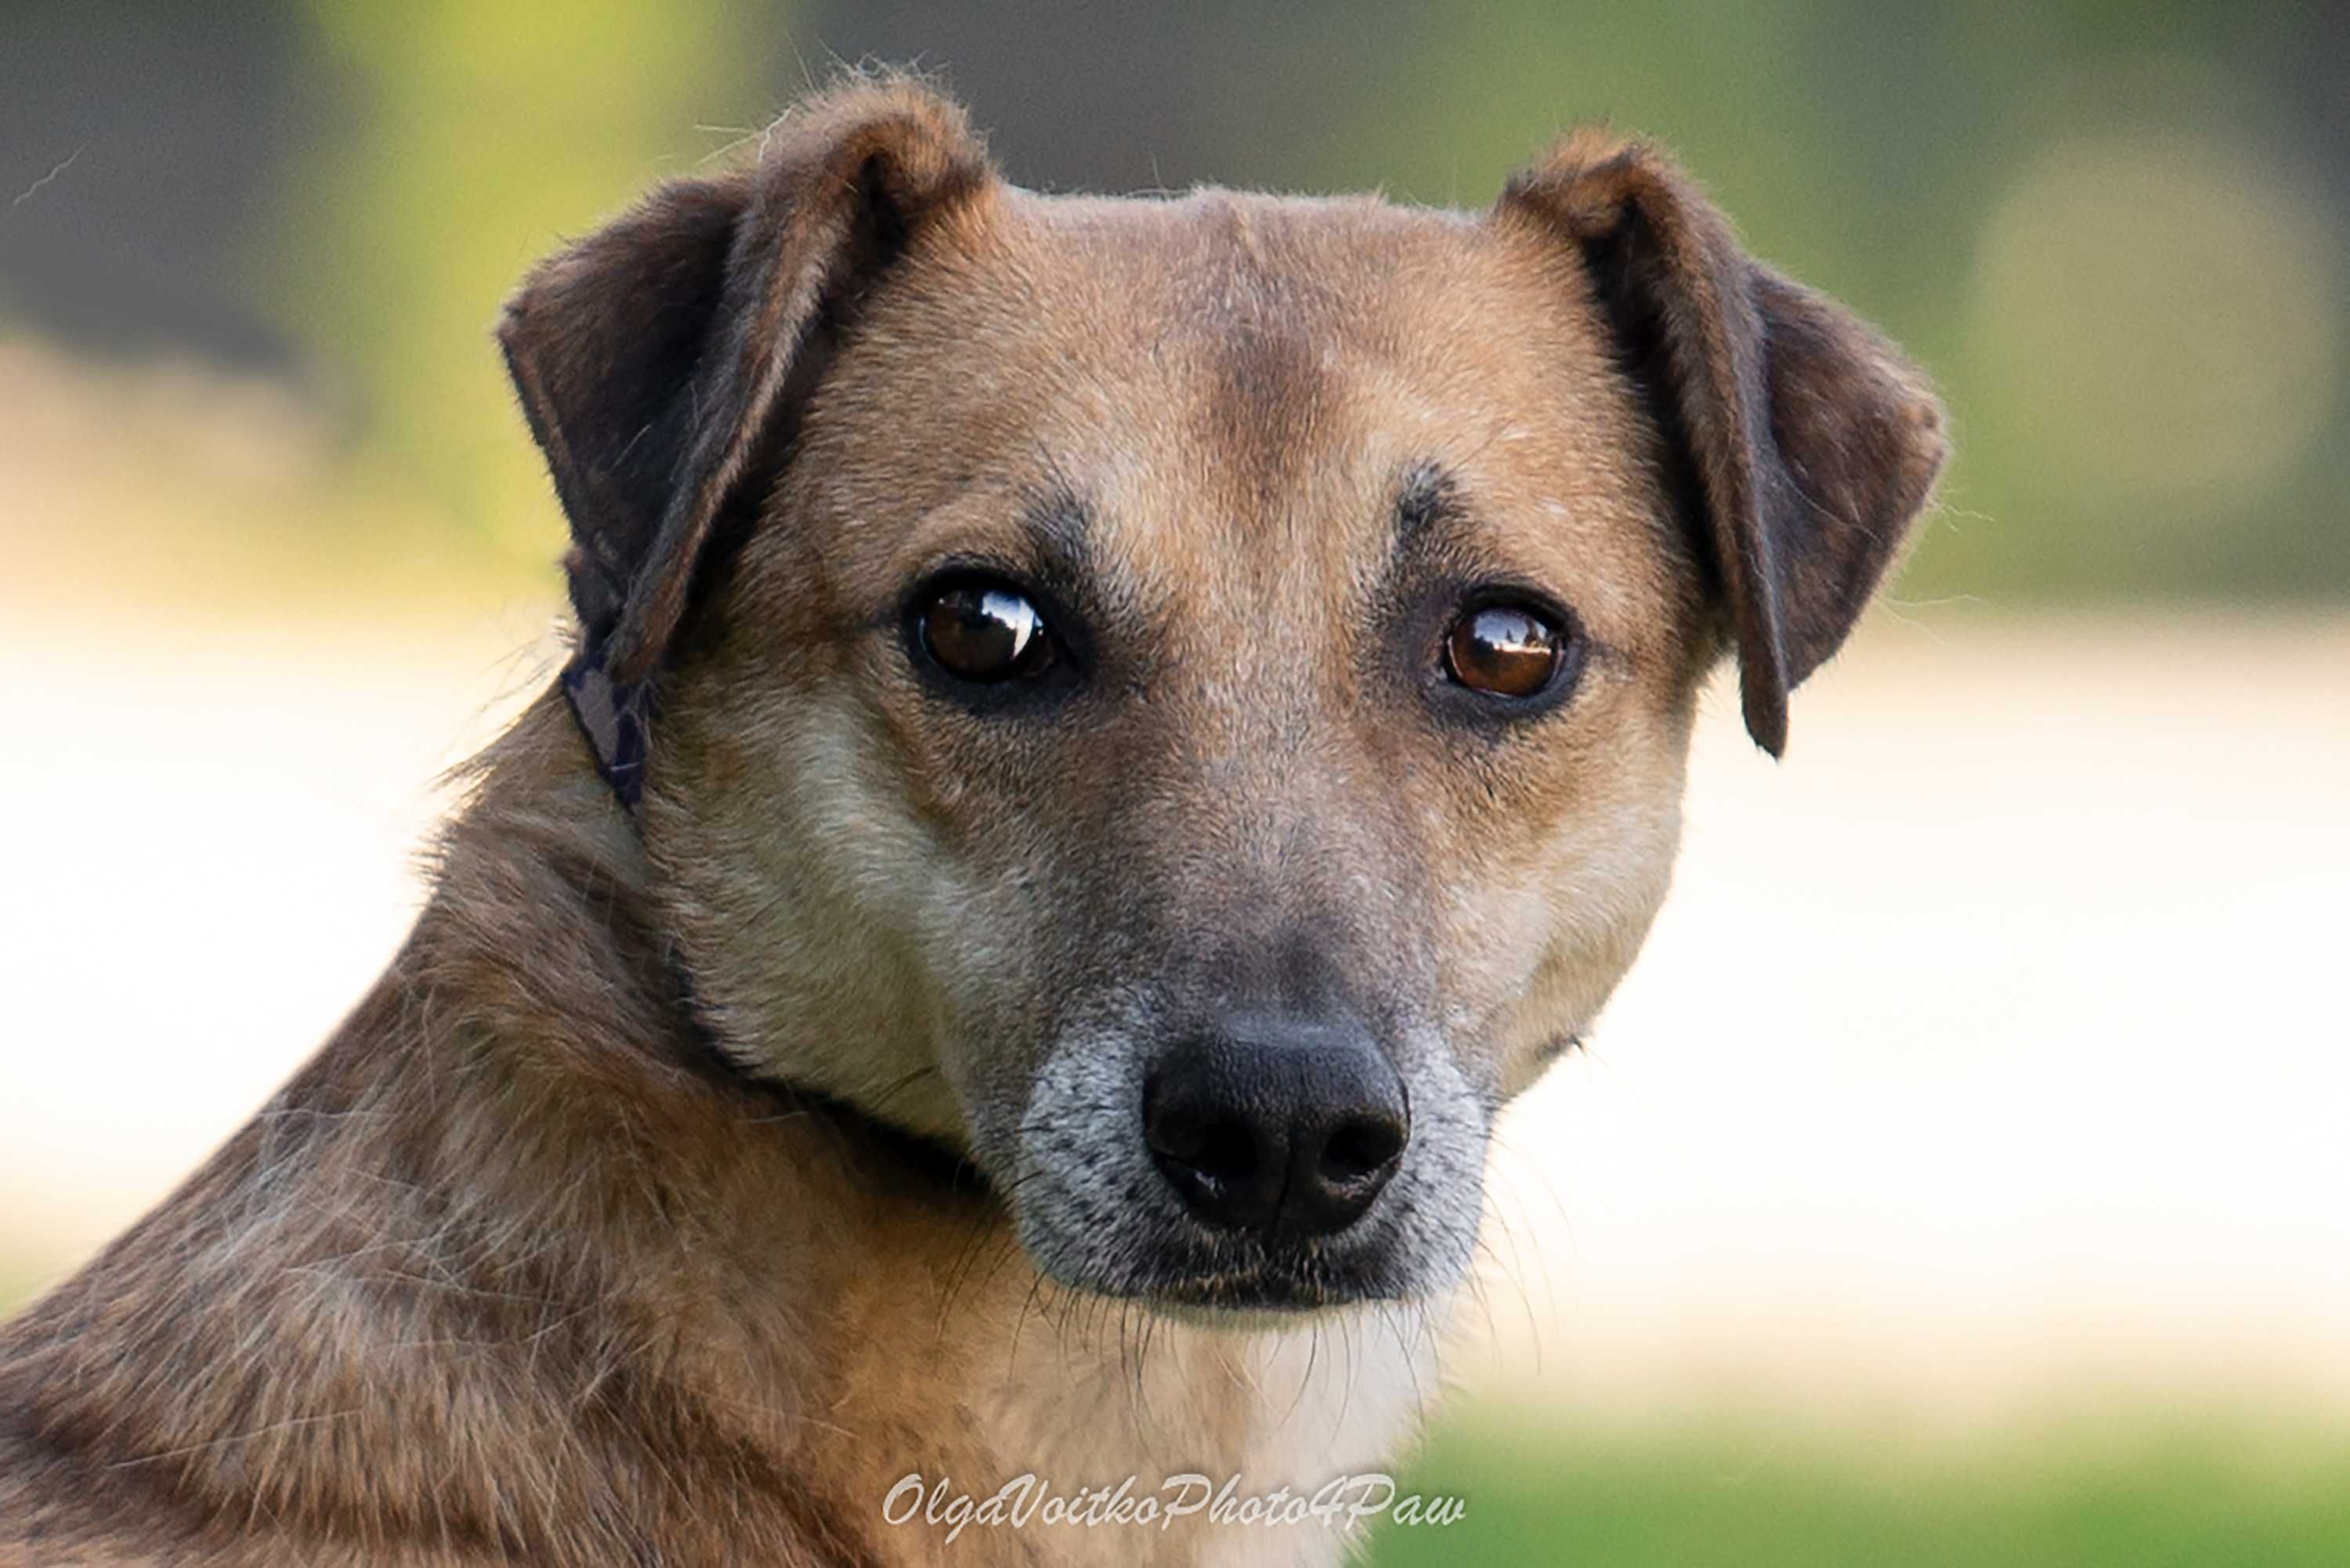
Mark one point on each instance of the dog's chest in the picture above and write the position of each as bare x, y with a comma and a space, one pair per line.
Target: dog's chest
1205, 1435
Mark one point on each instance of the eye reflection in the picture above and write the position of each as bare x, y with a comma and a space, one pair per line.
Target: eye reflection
1508, 651
985, 631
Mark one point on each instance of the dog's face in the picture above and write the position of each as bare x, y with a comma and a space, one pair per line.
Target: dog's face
1190, 702
1203, 718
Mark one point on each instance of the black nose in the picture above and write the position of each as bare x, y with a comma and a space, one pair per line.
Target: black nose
1277, 1126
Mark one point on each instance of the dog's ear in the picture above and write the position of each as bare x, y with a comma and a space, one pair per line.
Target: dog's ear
660, 360
1806, 441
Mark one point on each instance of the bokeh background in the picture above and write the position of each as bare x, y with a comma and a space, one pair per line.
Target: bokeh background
1961, 1177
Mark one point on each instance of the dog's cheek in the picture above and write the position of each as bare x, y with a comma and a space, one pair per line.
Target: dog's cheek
1561, 876
793, 878
985, 956
1539, 914
869, 925
1594, 909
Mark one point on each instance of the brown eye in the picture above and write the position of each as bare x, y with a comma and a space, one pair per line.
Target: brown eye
1504, 650
985, 631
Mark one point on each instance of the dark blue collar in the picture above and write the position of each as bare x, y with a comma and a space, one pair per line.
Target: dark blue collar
612, 716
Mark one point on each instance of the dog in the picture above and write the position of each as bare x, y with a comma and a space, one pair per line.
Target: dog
1108, 739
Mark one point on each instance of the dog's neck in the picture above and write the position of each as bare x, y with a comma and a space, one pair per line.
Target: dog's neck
514, 1266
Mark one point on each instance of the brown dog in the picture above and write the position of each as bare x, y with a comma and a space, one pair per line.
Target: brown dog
1111, 738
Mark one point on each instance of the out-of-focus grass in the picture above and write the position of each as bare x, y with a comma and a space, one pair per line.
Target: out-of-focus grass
2151, 1492
2160, 1491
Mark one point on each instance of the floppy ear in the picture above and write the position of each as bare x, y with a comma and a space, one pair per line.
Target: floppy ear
660, 360
1807, 444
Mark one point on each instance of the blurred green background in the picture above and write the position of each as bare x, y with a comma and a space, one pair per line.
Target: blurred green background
2115, 232
250, 253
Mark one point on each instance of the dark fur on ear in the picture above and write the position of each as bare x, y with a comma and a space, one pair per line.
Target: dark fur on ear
1809, 442
659, 361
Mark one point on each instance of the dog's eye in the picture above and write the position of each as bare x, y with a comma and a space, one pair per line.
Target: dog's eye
984, 630
1504, 651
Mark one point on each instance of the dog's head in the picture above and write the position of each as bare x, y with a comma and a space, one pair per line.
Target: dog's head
1185, 702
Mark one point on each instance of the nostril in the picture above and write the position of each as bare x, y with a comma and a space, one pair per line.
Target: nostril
1224, 1152
1227, 1165
1171, 1131
1361, 1147
1219, 1147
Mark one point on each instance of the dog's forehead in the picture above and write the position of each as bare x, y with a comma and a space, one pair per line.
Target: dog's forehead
1238, 386
1291, 330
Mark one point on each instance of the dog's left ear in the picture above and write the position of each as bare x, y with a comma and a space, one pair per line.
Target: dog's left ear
1810, 443
662, 359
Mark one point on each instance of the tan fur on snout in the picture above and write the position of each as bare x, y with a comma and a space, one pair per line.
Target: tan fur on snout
702, 1169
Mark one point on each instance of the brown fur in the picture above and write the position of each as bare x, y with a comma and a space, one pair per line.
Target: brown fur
516, 1268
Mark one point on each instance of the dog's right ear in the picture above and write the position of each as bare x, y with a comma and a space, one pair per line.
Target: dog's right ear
662, 359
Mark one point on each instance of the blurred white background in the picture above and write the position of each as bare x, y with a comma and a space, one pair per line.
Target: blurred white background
1991, 1049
